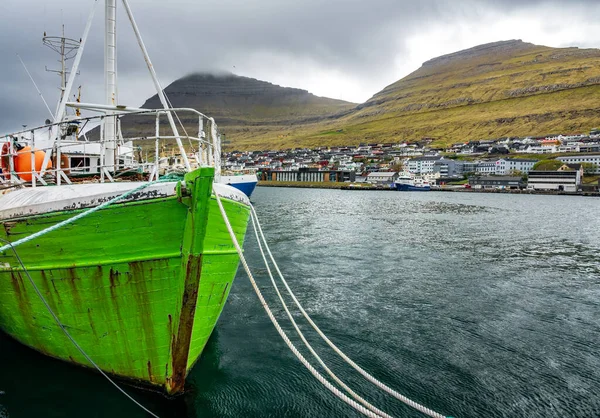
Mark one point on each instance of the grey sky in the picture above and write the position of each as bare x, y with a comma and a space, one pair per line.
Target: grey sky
346, 49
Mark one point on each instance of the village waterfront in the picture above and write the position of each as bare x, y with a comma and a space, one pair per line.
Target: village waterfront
475, 305
552, 165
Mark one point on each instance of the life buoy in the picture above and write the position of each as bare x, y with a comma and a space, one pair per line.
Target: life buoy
22, 162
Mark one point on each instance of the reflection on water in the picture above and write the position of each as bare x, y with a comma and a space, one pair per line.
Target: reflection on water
473, 304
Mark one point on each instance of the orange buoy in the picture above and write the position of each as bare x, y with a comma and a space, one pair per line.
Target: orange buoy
23, 162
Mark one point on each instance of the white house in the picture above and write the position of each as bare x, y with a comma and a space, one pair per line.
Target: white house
486, 167
506, 166
422, 165
532, 149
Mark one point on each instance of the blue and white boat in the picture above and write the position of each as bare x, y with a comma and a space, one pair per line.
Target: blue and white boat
409, 183
244, 182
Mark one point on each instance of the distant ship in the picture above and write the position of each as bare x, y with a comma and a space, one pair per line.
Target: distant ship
409, 183
243, 182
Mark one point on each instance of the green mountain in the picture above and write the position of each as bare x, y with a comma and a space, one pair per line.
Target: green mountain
508, 88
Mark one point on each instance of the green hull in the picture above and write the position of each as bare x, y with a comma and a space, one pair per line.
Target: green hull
138, 285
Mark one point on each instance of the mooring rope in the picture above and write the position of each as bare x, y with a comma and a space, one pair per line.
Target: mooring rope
306, 343
370, 378
281, 332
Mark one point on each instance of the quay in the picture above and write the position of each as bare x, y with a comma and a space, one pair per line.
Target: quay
323, 185
367, 186
515, 191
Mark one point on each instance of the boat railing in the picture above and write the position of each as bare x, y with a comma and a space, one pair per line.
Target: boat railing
66, 144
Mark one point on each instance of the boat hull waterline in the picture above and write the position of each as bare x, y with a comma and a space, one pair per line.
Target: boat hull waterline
140, 285
245, 183
412, 188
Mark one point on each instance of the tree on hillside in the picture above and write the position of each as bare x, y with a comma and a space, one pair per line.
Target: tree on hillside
589, 169
548, 165
518, 173
397, 167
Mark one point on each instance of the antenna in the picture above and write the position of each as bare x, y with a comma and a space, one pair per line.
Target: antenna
36, 87
67, 49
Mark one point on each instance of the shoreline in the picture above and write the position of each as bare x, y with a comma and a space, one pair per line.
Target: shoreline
348, 186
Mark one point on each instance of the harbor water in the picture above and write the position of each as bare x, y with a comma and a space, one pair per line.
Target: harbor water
476, 305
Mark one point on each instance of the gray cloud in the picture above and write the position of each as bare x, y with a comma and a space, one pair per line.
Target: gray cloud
262, 38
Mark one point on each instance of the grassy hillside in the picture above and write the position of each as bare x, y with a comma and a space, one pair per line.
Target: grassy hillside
508, 88
503, 89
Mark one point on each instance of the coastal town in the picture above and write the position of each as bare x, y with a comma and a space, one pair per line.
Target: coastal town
506, 163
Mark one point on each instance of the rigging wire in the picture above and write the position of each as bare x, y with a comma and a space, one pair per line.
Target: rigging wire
36, 87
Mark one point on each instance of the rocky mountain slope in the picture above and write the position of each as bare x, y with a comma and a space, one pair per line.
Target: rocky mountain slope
242, 107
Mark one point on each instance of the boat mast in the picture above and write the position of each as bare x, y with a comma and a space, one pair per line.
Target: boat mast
69, 86
67, 49
110, 82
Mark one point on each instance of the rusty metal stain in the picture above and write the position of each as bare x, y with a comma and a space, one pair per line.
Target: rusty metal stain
97, 286
224, 293
139, 280
72, 280
150, 376
89, 312
53, 284
171, 333
210, 294
50, 294
19, 288
186, 322
168, 380
25, 308
114, 278
8, 226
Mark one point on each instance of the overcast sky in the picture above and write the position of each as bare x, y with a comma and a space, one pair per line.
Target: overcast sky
346, 49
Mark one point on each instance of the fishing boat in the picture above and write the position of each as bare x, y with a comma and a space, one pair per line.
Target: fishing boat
406, 182
138, 284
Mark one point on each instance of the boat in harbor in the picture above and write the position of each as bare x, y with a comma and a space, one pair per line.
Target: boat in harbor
139, 284
407, 182
243, 182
